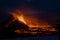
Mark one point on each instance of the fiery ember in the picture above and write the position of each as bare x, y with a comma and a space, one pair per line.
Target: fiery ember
19, 18
32, 23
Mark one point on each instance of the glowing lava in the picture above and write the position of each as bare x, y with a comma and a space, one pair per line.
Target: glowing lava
33, 23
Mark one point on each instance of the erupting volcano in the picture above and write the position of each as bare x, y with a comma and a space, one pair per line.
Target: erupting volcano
28, 25
33, 25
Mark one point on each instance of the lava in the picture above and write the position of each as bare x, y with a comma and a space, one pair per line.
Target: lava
33, 23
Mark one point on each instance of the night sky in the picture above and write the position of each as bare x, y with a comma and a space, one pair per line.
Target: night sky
47, 10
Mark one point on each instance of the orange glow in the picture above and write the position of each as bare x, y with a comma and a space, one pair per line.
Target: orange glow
19, 18
18, 31
33, 23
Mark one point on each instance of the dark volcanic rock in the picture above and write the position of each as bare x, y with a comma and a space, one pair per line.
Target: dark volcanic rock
17, 25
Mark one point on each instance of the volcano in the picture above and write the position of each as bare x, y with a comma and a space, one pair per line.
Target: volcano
17, 26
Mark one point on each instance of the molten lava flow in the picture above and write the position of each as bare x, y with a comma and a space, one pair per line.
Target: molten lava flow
19, 18
33, 23
22, 19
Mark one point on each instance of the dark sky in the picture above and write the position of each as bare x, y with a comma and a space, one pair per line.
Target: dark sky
48, 9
